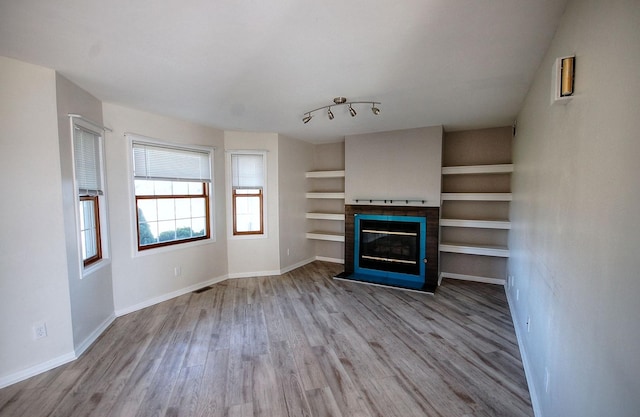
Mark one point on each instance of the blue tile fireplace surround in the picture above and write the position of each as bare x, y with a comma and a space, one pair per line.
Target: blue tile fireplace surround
392, 246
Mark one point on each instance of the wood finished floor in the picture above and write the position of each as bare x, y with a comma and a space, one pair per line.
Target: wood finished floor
300, 344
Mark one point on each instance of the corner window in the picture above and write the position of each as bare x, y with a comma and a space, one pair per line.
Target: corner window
247, 195
87, 155
171, 194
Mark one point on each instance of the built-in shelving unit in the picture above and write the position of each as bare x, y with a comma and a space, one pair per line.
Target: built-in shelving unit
325, 174
326, 216
332, 237
327, 196
330, 220
478, 224
476, 193
478, 169
477, 196
475, 249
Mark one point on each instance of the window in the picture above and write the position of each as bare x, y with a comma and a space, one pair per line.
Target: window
87, 155
172, 193
90, 230
247, 172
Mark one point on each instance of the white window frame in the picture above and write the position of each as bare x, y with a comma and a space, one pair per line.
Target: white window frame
134, 137
229, 194
80, 123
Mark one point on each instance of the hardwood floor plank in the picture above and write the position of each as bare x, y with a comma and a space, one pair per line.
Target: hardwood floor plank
347, 397
222, 315
238, 385
288, 378
211, 401
267, 394
322, 403
184, 398
299, 344
274, 323
240, 410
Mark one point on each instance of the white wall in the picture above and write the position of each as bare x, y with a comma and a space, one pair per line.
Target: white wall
575, 216
394, 165
91, 296
251, 256
33, 267
146, 278
295, 158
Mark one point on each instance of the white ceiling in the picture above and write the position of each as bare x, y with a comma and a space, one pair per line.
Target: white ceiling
259, 65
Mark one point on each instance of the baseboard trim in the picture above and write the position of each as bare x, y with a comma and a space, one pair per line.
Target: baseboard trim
296, 265
156, 300
528, 371
60, 360
332, 260
86, 343
37, 369
254, 274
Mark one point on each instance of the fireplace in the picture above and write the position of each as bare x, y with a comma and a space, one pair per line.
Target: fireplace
389, 246
392, 246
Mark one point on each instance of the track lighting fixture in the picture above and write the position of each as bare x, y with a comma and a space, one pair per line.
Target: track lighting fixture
339, 101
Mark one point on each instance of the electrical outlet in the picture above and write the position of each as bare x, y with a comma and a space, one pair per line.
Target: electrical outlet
528, 324
177, 271
40, 330
288, 252
510, 281
517, 294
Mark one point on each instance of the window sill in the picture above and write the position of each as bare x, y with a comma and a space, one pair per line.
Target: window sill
95, 267
248, 237
170, 248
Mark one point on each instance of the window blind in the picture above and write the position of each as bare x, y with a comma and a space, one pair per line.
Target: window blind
157, 162
87, 158
247, 170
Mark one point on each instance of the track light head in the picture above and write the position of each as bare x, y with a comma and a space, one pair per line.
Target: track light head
341, 101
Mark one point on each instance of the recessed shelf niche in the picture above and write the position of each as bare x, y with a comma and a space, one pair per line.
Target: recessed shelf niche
476, 192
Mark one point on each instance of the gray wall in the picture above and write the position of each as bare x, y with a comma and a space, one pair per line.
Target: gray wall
576, 230
33, 262
394, 165
92, 295
294, 159
148, 277
264, 250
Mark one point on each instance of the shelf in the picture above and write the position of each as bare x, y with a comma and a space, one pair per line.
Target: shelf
487, 280
325, 174
480, 224
326, 216
335, 196
323, 215
476, 196
478, 169
333, 237
474, 249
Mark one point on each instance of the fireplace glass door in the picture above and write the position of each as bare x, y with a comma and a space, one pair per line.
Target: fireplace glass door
391, 246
